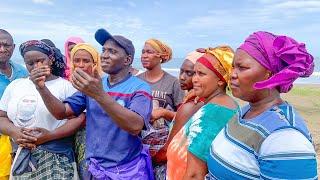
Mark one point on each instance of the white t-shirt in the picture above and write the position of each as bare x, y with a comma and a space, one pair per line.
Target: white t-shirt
25, 107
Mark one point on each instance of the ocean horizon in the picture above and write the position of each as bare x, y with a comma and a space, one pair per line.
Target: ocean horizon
173, 67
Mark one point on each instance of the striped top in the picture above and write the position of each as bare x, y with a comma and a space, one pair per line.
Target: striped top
274, 145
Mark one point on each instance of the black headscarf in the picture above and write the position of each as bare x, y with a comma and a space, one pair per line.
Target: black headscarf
58, 66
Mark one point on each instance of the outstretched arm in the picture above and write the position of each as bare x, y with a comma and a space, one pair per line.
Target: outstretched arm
92, 86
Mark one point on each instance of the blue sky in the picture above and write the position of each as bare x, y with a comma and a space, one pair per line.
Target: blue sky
184, 25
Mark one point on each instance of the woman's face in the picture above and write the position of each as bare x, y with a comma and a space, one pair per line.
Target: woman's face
205, 82
186, 74
150, 57
35, 59
70, 46
245, 73
82, 59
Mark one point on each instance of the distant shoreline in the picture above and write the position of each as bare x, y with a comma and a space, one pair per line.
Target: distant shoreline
314, 79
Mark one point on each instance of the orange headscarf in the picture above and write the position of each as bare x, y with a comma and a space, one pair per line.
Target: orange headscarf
162, 48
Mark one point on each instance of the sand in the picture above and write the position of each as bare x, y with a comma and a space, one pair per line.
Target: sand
306, 99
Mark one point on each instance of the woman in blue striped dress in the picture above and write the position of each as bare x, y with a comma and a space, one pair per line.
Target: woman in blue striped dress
269, 139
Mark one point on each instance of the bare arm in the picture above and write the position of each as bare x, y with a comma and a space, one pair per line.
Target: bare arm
196, 168
8, 128
68, 129
182, 116
92, 86
162, 113
57, 108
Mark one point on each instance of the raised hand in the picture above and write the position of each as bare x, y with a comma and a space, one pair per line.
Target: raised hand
38, 75
90, 85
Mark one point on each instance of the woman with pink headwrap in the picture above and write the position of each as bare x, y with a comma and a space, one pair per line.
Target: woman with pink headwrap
68, 45
268, 139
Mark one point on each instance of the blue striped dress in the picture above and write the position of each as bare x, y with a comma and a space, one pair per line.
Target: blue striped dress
274, 145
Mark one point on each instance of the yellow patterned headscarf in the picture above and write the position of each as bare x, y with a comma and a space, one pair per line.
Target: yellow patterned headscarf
90, 49
162, 48
224, 54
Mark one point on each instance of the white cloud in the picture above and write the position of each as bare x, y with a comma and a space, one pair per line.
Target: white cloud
157, 3
119, 23
292, 5
269, 14
18, 11
47, 2
132, 4
299, 5
226, 21
50, 29
202, 35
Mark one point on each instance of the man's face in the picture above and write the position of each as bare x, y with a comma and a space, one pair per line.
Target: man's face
6, 47
113, 57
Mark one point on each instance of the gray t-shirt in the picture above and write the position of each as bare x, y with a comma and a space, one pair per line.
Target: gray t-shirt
166, 92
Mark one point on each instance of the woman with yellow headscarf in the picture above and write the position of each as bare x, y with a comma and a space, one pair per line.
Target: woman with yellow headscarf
85, 57
167, 96
188, 151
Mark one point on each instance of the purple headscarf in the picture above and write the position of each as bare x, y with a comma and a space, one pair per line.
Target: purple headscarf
283, 56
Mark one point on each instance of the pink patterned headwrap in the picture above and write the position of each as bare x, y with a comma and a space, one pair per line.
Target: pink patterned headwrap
75, 40
283, 56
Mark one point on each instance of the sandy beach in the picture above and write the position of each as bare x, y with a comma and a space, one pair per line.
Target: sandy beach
306, 99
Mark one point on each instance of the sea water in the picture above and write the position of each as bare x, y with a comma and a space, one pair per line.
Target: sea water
173, 67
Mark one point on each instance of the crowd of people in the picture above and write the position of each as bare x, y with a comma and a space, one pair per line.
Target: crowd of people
90, 115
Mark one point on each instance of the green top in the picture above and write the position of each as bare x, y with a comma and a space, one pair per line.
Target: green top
204, 126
